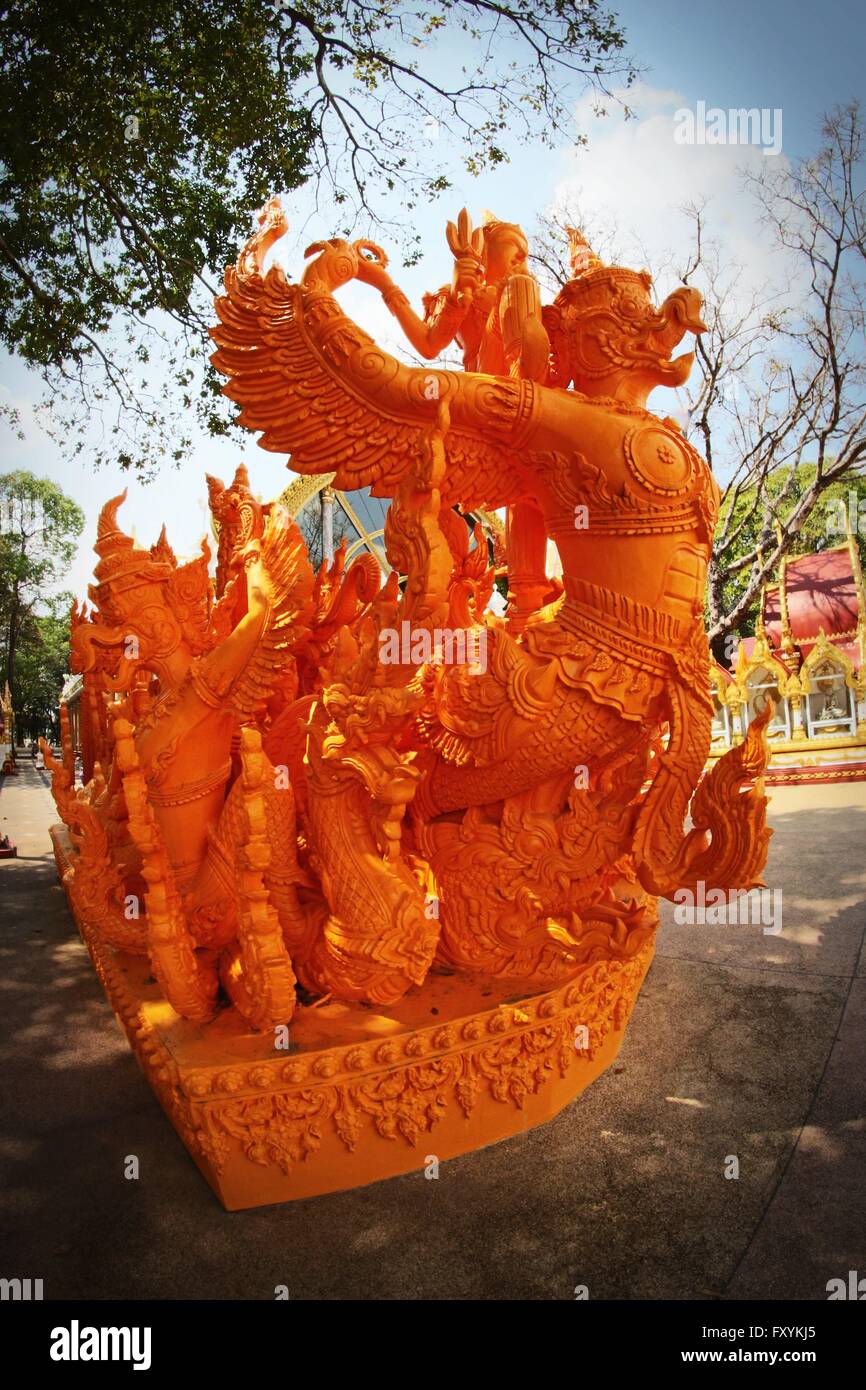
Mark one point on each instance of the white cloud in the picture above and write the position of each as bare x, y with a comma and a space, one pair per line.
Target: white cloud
635, 177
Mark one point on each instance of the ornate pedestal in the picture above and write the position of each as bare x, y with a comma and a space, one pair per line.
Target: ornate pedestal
361, 1094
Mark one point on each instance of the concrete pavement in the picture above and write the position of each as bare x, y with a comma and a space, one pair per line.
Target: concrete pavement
742, 1045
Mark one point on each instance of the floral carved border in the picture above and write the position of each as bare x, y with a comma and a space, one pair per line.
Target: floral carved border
508, 1054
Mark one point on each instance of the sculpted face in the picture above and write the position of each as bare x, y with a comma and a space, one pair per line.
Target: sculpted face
507, 253
605, 329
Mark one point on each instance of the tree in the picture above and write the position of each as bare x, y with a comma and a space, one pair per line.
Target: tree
41, 664
138, 140
39, 527
800, 394
842, 504
777, 404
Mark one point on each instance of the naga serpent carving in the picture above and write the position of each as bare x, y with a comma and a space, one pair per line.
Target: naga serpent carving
278, 803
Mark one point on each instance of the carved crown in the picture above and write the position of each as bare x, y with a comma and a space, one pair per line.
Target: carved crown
604, 320
130, 579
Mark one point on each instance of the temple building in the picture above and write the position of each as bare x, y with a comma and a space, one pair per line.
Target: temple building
326, 516
7, 732
808, 656
70, 696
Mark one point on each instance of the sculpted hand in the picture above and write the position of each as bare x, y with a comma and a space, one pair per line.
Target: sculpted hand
373, 273
372, 263
467, 247
534, 350
336, 263
467, 279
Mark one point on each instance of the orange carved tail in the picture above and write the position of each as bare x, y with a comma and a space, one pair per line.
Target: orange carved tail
727, 846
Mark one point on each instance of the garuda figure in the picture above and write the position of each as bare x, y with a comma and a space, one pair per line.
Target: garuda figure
292, 773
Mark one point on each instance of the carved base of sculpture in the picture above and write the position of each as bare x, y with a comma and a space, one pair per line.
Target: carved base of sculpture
361, 1093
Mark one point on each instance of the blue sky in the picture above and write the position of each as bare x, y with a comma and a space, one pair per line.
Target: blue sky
799, 57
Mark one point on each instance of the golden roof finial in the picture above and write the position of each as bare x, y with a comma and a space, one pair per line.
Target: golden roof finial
787, 634
859, 587
856, 567
760, 628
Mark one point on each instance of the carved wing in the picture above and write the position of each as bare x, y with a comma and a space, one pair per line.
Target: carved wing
321, 390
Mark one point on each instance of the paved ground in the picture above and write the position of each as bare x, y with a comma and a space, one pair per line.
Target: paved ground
741, 1044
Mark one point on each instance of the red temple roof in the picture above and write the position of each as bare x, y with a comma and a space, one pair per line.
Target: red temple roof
821, 592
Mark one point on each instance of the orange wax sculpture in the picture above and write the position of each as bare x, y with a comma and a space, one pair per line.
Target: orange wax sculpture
356, 909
